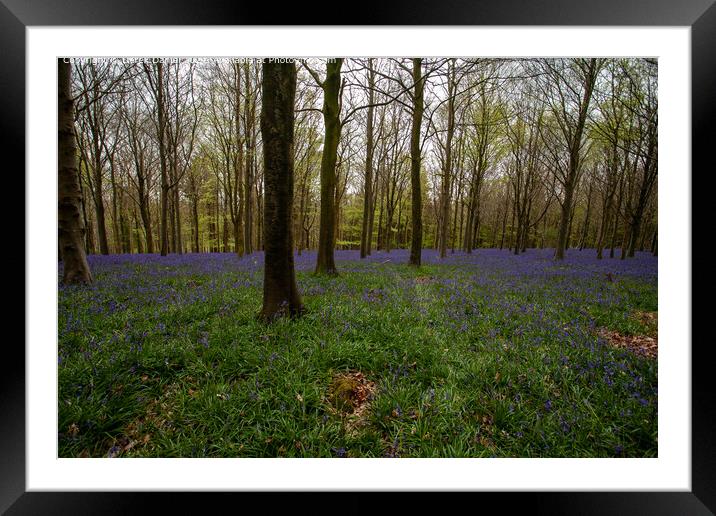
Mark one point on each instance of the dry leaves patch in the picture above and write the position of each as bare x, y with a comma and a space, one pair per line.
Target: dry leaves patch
349, 396
645, 345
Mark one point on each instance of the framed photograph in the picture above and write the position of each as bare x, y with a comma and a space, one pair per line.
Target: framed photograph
661, 464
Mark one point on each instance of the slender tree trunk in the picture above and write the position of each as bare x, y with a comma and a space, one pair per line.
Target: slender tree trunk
116, 228
602, 229
177, 224
226, 248
368, 182
504, 221
369, 236
616, 220
124, 224
137, 231
454, 224
147, 222
585, 229
99, 206
281, 294
625, 241
565, 221
70, 224
163, 230
89, 231
171, 217
381, 232
513, 234
249, 109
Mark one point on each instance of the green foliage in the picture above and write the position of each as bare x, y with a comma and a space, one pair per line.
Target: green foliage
458, 372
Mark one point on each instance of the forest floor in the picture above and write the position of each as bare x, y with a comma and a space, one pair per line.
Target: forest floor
480, 355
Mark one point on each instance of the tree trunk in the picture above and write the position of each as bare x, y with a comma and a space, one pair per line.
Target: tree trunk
585, 230
171, 217
368, 182
616, 220
177, 223
281, 294
89, 231
163, 230
71, 229
325, 263
416, 197
504, 221
99, 207
447, 170
249, 108
371, 221
137, 231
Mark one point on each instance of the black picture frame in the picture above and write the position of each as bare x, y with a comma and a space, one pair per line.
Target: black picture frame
700, 15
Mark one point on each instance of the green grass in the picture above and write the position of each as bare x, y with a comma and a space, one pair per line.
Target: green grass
499, 367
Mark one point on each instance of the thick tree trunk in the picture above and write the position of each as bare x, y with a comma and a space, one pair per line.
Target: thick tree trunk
325, 263
281, 294
415, 187
71, 229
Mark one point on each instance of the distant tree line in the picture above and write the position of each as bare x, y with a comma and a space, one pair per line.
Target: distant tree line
452, 154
